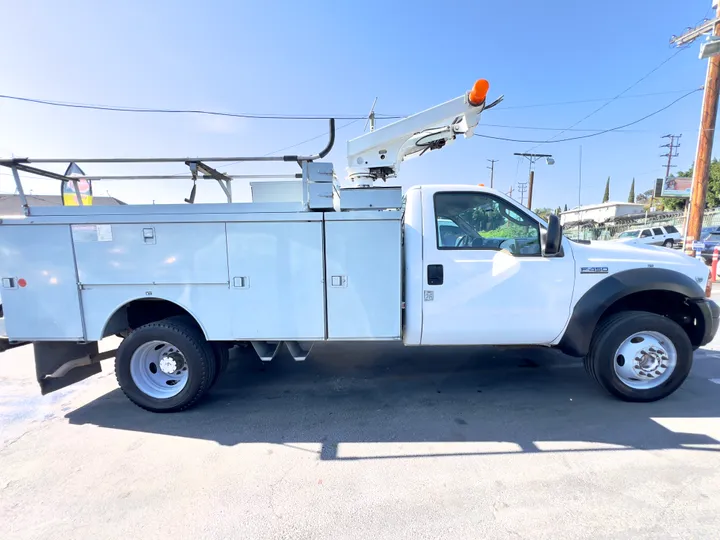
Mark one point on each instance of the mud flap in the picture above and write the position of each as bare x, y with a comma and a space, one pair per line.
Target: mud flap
59, 363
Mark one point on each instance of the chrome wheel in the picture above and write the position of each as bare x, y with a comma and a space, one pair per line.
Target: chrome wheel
159, 369
645, 360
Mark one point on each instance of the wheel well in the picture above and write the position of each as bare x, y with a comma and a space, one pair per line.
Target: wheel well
137, 313
672, 305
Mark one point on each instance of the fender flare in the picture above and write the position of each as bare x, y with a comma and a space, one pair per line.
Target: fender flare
590, 307
132, 299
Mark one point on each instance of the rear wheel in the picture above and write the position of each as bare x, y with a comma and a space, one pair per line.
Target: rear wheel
165, 366
639, 356
668, 243
222, 358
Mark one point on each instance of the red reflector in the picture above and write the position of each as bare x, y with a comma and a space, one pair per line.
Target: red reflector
708, 287
22, 282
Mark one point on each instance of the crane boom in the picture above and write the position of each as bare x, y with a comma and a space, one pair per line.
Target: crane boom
378, 154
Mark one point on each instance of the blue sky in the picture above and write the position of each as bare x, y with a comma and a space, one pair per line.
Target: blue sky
334, 58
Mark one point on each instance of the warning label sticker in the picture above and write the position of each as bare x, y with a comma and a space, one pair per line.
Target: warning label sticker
104, 233
92, 233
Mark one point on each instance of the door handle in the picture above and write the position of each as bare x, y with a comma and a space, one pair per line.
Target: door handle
435, 274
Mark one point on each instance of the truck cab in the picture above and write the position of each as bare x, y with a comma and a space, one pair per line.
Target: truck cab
498, 284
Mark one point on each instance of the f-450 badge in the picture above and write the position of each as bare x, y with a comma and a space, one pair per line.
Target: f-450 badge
594, 270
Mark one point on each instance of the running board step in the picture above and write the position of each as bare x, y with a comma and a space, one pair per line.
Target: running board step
267, 350
299, 349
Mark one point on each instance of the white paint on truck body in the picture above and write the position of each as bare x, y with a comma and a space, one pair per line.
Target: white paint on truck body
246, 272
489, 295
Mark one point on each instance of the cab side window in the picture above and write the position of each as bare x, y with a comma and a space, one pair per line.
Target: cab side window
645, 234
658, 232
480, 221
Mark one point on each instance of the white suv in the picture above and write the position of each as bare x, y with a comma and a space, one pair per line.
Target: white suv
664, 235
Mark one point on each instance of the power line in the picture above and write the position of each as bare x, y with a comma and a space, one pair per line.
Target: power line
633, 85
580, 101
272, 116
301, 142
504, 107
116, 108
269, 153
617, 128
538, 128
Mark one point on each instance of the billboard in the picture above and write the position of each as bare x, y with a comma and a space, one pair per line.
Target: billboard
69, 197
675, 186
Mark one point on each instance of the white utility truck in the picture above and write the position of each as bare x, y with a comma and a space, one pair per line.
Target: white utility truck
443, 265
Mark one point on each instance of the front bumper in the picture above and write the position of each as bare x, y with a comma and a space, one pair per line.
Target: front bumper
711, 315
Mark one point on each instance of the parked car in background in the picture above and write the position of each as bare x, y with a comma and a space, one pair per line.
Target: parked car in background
711, 241
664, 235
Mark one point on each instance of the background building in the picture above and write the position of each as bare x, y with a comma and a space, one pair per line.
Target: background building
599, 213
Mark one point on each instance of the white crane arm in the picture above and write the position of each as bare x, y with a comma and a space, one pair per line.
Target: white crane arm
378, 154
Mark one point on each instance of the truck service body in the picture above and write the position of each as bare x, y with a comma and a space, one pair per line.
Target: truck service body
440, 265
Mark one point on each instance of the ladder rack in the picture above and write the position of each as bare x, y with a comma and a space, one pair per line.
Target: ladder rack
199, 169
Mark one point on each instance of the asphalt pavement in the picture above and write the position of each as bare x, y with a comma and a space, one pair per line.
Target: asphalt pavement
365, 441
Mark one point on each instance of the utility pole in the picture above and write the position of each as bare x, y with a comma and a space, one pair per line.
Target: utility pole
531, 179
579, 189
522, 188
707, 119
492, 170
371, 117
510, 192
672, 147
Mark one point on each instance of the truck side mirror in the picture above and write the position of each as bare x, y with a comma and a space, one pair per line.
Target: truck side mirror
553, 236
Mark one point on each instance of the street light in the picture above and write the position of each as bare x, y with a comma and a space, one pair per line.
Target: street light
533, 158
710, 48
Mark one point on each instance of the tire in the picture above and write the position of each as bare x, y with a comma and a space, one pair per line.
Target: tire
222, 358
614, 331
668, 243
144, 387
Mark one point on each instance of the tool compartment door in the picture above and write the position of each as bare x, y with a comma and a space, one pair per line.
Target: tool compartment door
276, 280
363, 258
39, 283
151, 253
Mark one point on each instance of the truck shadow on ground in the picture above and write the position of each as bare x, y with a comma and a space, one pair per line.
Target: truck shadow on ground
506, 401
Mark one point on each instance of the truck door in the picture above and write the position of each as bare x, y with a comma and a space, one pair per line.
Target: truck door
491, 284
646, 237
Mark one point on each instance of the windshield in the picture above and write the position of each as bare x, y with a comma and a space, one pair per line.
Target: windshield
628, 234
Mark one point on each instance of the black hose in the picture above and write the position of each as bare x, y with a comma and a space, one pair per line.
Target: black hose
330, 143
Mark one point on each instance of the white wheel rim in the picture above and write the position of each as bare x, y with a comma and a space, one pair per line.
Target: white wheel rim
159, 369
645, 360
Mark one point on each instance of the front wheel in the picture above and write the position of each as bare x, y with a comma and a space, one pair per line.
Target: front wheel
165, 366
639, 356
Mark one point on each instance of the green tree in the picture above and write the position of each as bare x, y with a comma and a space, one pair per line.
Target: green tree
671, 203
631, 196
565, 208
606, 195
557, 211
645, 196
543, 212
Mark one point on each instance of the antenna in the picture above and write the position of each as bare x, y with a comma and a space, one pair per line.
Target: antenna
371, 117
